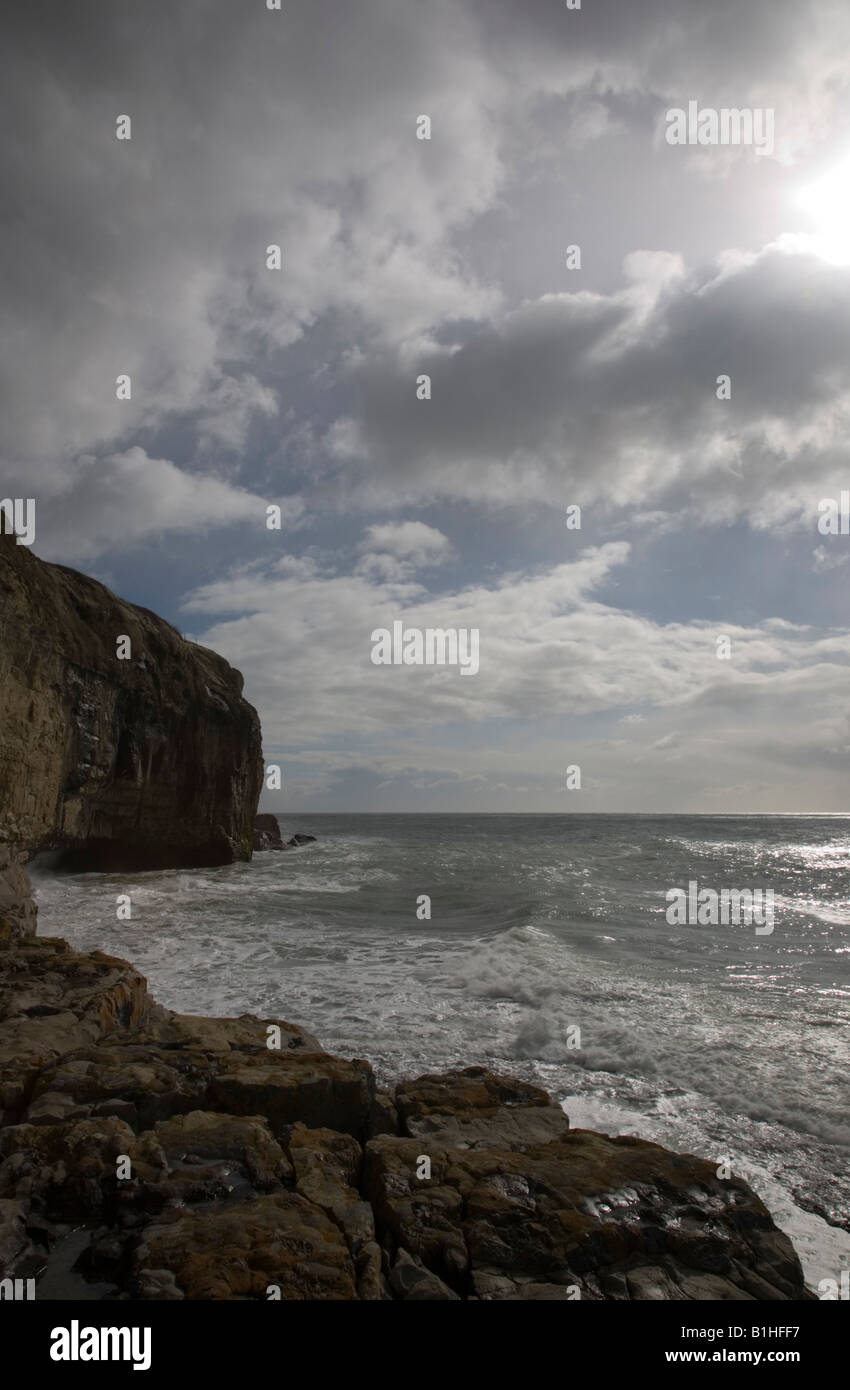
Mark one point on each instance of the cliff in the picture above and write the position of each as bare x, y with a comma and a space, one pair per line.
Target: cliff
148, 762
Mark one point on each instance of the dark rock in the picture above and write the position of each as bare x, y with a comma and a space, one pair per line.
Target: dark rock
53, 1000
475, 1109
267, 833
610, 1218
412, 1281
253, 1167
18, 912
282, 1240
149, 762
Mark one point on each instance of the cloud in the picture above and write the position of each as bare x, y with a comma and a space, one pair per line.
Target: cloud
554, 662
824, 560
254, 128
118, 501
230, 407
151, 252
612, 399
396, 550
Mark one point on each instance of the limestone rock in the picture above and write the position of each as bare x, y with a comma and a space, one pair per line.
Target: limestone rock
18, 912
52, 1000
286, 1087
153, 761
253, 1166
412, 1281
208, 1135
15, 1244
72, 1168
327, 1170
238, 1253
475, 1109
575, 1212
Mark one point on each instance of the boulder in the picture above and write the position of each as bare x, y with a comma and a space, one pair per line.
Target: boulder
267, 833
582, 1213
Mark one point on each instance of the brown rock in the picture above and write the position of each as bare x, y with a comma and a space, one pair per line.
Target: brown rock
573, 1211
238, 1253
267, 833
72, 1168
413, 1282
147, 762
475, 1109
18, 912
327, 1169
517, 1206
15, 1244
317, 1089
245, 1140
53, 1000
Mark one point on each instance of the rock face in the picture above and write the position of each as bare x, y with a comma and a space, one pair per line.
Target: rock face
152, 761
17, 909
267, 833
152, 1155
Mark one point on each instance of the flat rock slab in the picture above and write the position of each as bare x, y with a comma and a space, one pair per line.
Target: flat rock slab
566, 1212
281, 1240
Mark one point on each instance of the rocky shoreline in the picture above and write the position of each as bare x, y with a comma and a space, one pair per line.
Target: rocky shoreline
151, 1155
146, 1154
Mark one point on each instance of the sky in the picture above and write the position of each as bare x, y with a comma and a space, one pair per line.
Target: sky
686, 647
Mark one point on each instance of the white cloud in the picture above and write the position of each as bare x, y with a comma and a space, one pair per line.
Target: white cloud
122, 499
551, 657
396, 550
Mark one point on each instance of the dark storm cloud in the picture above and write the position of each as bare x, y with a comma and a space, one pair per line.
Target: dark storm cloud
251, 127
615, 397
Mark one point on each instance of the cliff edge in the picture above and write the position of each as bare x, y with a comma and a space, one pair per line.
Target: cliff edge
152, 760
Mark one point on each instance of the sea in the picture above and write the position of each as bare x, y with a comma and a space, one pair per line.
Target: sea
540, 946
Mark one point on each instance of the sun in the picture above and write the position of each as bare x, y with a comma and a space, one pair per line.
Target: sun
827, 203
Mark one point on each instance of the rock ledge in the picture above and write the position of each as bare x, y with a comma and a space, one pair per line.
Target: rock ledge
151, 1155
